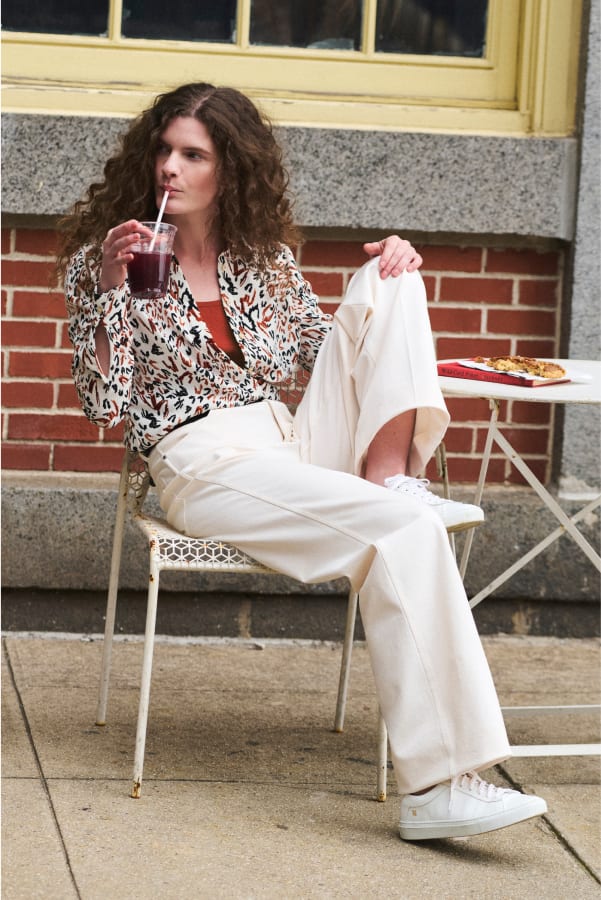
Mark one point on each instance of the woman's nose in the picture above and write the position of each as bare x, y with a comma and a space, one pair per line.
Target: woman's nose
170, 165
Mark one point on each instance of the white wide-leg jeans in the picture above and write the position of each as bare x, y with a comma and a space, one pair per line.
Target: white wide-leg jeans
286, 491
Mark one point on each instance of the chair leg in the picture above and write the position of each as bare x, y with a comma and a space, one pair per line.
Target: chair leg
443, 472
345, 666
111, 605
382, 759
442, 468
151, 614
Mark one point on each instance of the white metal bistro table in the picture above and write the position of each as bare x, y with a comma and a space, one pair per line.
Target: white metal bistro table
588, 392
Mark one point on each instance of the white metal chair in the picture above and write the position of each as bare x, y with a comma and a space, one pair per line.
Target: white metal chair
169, 549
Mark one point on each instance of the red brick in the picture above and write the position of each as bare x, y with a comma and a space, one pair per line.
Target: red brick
430, 286
333, 253
34, 394
67, 397
451, 259
459, 439
465, 470
540, 467
521, 322
28, 334
26, 426
65, 343
446, 318
531, 413
39, 304
329, 307
463, 348
25, 456
539, 292
468, 409
522, 261
536, 348
476, 290
114, 435
37, 241
4, 301
78, 458
5, 240
523, 440
462, 469
39, 364
328, 284
24, 272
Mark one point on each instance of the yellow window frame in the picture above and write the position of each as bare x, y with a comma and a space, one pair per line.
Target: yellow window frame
526, 83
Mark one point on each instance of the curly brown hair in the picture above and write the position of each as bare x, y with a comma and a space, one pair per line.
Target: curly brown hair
254, 208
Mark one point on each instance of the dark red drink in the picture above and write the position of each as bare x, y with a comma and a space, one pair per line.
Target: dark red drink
148, 274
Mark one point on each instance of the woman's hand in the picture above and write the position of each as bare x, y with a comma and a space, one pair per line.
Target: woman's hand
116, 253
396, 255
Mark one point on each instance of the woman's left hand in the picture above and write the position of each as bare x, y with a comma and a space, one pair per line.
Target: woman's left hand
396, 255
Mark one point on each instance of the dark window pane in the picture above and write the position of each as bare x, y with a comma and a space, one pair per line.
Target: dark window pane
180, 20
445, 27
56, 16
322, 24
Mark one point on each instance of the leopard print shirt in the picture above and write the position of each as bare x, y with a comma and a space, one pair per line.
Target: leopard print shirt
165, 367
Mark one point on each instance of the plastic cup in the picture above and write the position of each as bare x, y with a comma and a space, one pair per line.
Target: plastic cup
148, 272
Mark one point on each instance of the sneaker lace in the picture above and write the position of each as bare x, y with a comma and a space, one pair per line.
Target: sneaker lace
472, 782
415, 487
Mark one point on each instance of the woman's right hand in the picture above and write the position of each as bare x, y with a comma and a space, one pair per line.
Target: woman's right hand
116, 253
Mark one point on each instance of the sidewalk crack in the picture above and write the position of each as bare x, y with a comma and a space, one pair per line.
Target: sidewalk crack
553, 828
40, 769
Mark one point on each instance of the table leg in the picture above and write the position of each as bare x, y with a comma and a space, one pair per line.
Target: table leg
527, 557
567, 524
549, 501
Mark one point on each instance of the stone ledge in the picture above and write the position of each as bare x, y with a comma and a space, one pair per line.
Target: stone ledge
57, 531
341, 178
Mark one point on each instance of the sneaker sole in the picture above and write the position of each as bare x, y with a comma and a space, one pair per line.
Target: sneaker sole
431, 830
463, 526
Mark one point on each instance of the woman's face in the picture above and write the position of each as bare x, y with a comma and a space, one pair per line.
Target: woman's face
186, 166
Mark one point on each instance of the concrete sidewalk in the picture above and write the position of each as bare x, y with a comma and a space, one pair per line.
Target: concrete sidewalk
247, 791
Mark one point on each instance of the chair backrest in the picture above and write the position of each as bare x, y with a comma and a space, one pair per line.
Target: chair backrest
291, 392
138, 476
138, 481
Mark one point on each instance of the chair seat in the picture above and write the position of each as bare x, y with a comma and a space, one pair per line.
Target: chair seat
172, 549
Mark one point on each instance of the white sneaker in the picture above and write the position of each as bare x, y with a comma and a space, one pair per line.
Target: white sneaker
455, 516
467, 805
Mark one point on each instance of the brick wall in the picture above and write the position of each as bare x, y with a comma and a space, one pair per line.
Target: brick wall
482, 301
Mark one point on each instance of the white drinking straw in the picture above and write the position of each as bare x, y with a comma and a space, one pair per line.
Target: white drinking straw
159, 217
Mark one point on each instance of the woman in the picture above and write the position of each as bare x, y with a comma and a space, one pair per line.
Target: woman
330, 492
